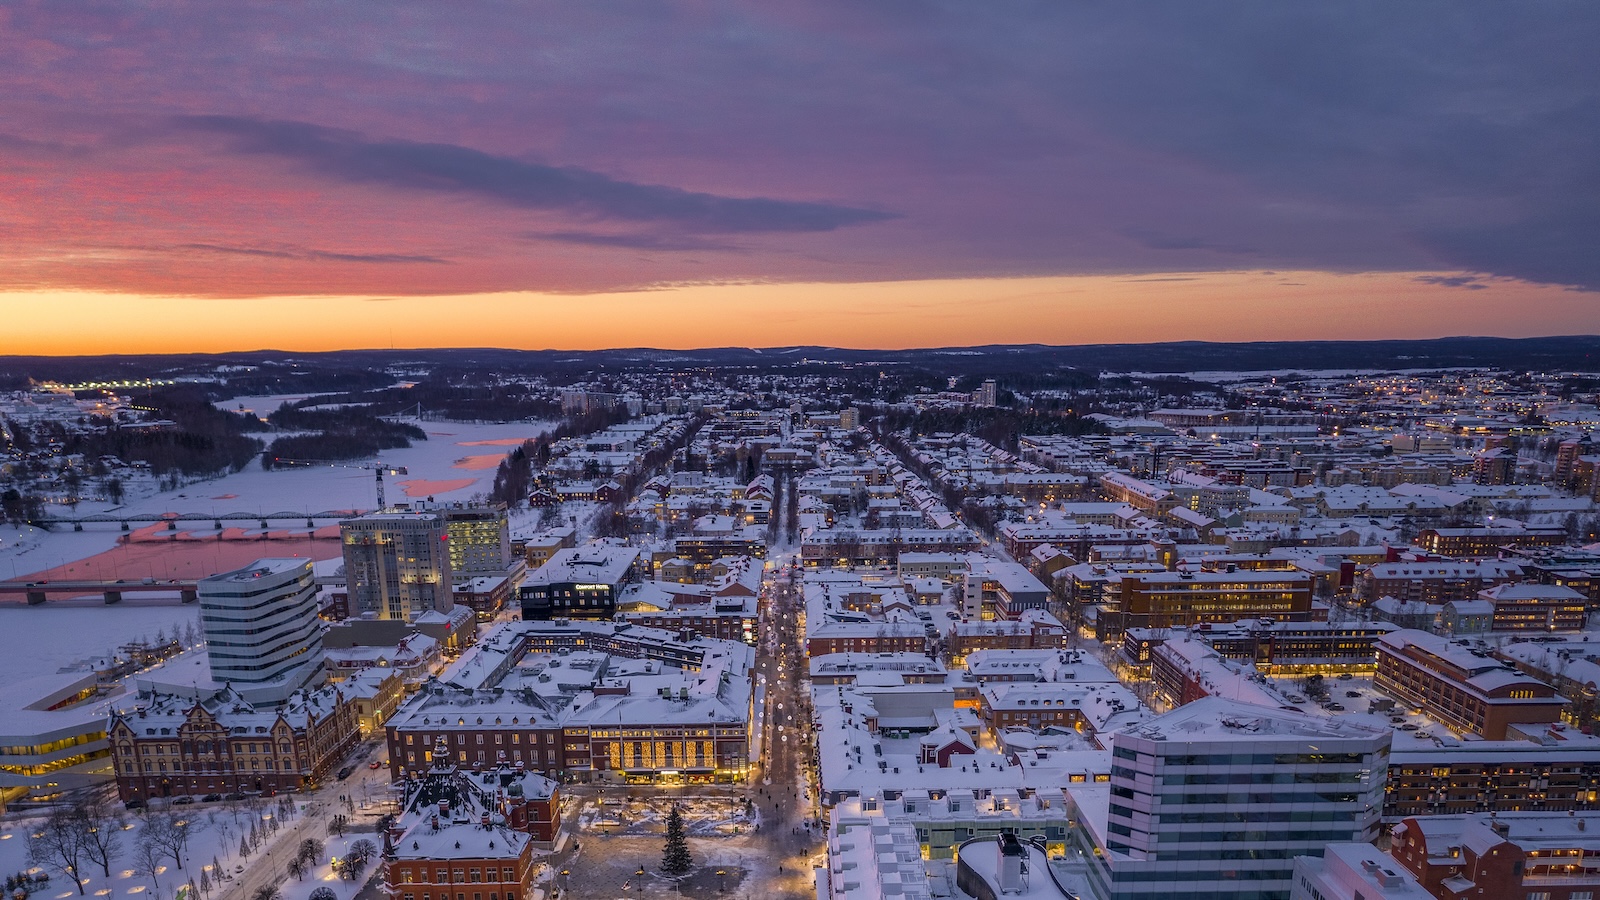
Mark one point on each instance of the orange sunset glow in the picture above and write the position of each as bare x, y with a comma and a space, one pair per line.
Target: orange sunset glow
1071, 310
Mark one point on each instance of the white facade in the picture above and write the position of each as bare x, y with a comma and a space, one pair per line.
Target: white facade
1215, 800
261, 626
1351, 871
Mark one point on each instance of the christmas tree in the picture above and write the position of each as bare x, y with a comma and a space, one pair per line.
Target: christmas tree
675, 859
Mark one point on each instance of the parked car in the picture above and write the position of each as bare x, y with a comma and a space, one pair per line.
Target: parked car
135, 803
211, 798
345, 772
182, 801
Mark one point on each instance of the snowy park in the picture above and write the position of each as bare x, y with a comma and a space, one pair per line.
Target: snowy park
226, 851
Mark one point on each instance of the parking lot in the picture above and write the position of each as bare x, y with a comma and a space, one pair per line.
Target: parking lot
1355, 696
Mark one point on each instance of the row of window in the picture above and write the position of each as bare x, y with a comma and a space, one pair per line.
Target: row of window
1264, 778
460, 876
1248, 759
226, 766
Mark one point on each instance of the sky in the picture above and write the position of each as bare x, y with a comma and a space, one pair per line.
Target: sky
201, 177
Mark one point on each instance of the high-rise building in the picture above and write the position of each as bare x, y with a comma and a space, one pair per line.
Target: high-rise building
262, 633
1215, 799
397, 564
986, 394
480, 538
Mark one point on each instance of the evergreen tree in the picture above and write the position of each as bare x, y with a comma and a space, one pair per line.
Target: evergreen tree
675, 859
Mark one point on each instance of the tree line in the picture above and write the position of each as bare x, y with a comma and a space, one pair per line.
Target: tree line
337, 434
201, 439
514, 477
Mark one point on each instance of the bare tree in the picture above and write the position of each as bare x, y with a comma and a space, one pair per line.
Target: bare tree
171, 831
310, 851
102, 824
148, 855
358, 856
59, 844
267, 892
225, 829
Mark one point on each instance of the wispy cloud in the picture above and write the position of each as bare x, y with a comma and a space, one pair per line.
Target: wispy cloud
1470, 282
303, 253
633, 241
350, 157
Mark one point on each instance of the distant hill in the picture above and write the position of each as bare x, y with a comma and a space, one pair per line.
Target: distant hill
317, 370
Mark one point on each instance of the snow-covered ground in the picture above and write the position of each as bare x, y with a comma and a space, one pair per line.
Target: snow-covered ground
702, 816
59, 634
457, 462
213, 847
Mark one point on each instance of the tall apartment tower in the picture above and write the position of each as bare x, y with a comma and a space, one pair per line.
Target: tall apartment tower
262, 632
1214, 800
986, 394
480, 538
397, 564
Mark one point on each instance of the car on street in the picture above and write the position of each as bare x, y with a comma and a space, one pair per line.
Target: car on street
345, 772
375, 764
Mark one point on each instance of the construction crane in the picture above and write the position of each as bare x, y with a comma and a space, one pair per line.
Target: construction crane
378, 468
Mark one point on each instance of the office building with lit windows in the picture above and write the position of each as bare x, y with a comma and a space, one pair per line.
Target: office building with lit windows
1214, 800
397, 564
1177, 599
586, 700
1468, 690
579, 583
480, 538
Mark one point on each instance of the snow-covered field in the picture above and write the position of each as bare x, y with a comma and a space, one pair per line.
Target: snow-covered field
455, 463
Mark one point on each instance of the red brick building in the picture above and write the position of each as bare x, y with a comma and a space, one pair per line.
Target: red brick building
171, 746
1550, 856
470, 836
1468, 691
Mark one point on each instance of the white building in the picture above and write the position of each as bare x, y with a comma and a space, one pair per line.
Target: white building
1351, 871
1214, 800
262, 632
